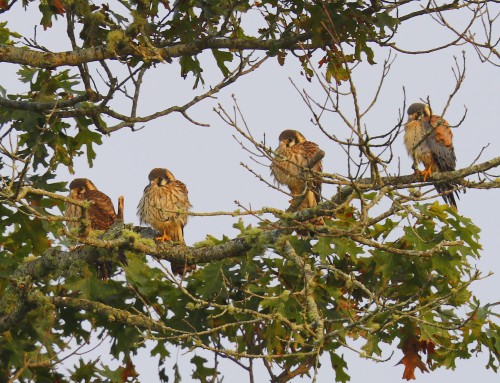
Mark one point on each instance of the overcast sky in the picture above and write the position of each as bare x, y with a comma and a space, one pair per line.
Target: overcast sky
208, 160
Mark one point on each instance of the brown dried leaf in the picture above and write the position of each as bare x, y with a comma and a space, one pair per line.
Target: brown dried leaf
59, 7
411, 360
129, 371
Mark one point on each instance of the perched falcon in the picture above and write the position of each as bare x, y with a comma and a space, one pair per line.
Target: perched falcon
161, 199
429, 139
292, 157
101, 215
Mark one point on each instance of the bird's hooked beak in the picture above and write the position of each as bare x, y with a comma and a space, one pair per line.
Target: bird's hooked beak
288, 142
415, 116
160, 181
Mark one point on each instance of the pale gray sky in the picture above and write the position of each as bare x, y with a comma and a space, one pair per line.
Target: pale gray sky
207, 159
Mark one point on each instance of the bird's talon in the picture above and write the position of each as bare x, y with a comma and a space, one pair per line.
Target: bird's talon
164, 238
426, 174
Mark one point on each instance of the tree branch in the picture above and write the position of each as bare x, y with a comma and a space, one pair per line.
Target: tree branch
64, 262
42, 106
112, 314
23, 56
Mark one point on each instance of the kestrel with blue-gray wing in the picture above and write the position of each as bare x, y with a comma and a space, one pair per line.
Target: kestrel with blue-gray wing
429, 139
161, 207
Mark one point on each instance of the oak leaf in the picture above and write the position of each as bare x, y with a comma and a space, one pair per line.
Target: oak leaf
58, 7
129, 371
411, 360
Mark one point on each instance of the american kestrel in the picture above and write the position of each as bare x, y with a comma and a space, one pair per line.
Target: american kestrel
429, 139
101, 215
159, 206
292, 157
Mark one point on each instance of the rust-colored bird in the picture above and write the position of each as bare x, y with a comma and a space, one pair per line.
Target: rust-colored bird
429, 139
158, 207
293, 156
101, 215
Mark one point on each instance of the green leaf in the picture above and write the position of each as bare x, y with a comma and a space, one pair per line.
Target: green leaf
386, 264
340, 367
142, 276
92, 288
84, 371
191, 65
221, 57
240, 225
372, 345
6, 34
114, 376
162, 374
346, 246
323, 247
384, 229
274, 332
212, 282
447, 265
384, 19
88, 138
202, 372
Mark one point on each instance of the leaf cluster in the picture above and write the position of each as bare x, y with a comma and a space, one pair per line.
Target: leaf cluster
285, 301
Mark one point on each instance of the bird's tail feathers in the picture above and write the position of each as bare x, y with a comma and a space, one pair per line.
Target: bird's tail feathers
449, 194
